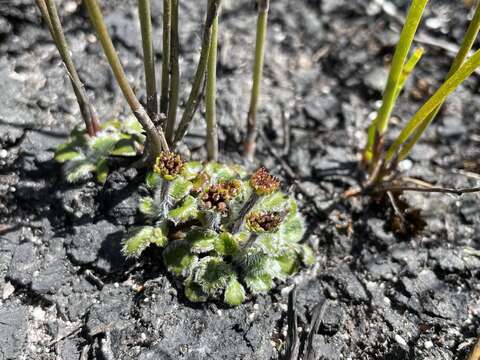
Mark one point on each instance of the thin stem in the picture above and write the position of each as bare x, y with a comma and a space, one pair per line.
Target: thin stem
195, 93
467, 43
167, 24
50, 15
435, 100
155, 136
148, 57
427, 190
250, 140
175, 73
249, 204
212, 136
380, 124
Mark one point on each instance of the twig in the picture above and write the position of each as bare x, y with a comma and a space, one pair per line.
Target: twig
148, 58
167, 26
317, 317
155, 136
175, 74
250, 139
70, 333
397, 210
195, 93
50, 15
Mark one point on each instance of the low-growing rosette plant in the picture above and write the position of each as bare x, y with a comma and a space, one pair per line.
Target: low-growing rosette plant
224, 232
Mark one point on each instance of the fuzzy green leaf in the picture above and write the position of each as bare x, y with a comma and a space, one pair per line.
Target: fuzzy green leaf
143, 237
184, 212
259, 283
201, 240
153, 180
234, 293
79, 170
147, 206
178, 258
66, 154
288, 264
226, 245
179, 188
307, 255
102, 170
124, 147
219, 172
194, 292
213, 274
191, 169
274, 202
292, 229
103, 145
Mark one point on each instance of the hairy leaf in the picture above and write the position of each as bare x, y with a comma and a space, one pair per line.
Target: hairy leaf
234, 293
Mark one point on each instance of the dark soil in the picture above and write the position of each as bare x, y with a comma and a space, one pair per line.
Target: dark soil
67, 292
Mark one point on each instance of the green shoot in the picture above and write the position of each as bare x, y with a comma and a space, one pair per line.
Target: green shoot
210, 97
155, 136
167, 24
148, 58
433, 103
50, 15
175, 73
250, 140
194, 97
467, 43
380, 124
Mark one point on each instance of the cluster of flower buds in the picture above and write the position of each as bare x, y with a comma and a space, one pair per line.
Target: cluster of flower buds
264, 221
263, 183
217, 196
168, 165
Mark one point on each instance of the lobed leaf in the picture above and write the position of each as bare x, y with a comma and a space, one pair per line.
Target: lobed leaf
234, 293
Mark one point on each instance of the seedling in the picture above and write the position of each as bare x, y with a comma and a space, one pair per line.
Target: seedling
380, 160
223, 231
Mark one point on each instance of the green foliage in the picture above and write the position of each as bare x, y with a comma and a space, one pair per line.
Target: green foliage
83, 155
198, 208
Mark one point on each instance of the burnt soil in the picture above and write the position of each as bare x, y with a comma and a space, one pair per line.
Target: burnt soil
67, 292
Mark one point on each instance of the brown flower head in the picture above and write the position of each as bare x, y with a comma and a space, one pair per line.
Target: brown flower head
217, 196
264, 221
168, 165
263, 183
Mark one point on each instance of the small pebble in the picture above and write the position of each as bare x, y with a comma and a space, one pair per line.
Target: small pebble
3, 154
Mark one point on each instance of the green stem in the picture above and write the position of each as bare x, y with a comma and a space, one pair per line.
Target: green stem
155, 136
250, 141
195, 93
175, 74
148, 57
167, 23
467, 43
212, 136
50, 15
435, 100
380, 124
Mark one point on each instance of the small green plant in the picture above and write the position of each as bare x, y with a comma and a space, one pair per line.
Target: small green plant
381, 160
83, 155
222, 230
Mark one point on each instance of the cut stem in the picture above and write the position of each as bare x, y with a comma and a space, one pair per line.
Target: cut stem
167, 25
148, 58
467, 43
175, 74
212, 135
155, 136
195, 93
380, 124
50, 15
250, 140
